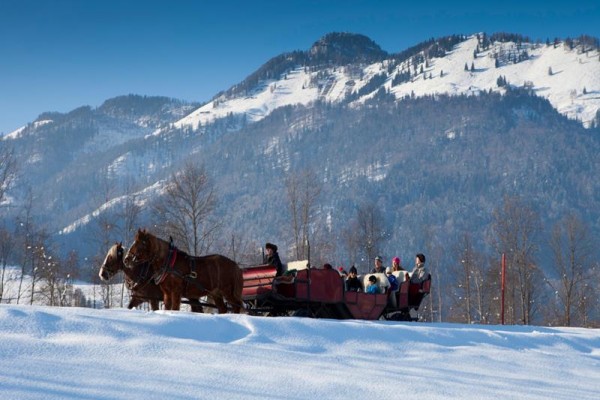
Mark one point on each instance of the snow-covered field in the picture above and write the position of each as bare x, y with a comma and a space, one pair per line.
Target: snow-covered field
80, 353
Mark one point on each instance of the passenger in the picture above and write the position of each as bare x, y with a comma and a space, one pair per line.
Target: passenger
273, 258
327, 266
394, 286
379, 268
353, 283
396, 265
419, 273
342, 272
372, 287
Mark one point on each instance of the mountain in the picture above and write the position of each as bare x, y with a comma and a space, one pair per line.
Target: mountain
434, 136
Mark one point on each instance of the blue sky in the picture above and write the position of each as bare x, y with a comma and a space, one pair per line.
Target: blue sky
57, 55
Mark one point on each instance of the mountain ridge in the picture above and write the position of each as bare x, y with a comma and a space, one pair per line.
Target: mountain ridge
276, 127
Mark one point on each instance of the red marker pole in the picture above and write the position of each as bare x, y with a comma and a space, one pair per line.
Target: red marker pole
503, 281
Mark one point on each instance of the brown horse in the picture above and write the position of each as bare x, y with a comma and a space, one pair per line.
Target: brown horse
141, 289
137, 280
177, 272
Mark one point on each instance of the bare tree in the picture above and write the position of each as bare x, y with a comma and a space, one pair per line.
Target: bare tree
469, 291
38, 255
516, 227
573, 250
103, 234
129, 217
8, 170
244, 251
50, 274
25, 233
590, 298
351, 241
433, 308
184, 210
70, 272
371, 230
303, 190
7, 247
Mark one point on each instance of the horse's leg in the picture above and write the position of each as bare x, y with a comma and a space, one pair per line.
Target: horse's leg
175, 300
154, 305
236, 304
175, 290
218, 300
167, 300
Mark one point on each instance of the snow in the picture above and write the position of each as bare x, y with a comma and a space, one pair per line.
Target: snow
14, 134
141, 199
19, 132
572, 72
293, 89
74, 353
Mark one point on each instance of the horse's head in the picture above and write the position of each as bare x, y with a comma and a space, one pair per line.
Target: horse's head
141, 251
113, 262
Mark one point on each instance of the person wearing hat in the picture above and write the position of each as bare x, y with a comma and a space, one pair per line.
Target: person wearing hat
379, 268
353, 283
394, 285
419, 273
273, 258
396, 266
372, 287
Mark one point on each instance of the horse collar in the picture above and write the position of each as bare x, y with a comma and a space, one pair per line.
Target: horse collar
169, 265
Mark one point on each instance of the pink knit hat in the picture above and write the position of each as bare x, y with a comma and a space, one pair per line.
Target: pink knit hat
396, 260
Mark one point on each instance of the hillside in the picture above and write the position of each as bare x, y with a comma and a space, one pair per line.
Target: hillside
421, 73
433, 146
73, 353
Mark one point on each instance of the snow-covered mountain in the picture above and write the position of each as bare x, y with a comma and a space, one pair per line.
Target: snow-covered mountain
569, 77
362, 118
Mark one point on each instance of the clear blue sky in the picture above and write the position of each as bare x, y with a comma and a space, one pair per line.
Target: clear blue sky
56, 55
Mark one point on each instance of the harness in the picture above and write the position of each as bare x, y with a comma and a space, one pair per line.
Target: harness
141, 280
169, 268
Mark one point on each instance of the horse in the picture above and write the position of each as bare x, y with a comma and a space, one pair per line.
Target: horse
137, 279
176, 272
141, 289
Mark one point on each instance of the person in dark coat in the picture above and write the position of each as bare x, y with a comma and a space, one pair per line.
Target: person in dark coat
378, 268
272, 258
352, 282
419, 273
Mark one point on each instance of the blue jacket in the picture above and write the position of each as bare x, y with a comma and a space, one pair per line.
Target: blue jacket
394, 285
373, 289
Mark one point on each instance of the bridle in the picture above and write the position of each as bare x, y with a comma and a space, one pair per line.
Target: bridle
143, 277
119, 260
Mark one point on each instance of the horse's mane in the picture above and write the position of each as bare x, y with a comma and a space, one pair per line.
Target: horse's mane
154, 237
